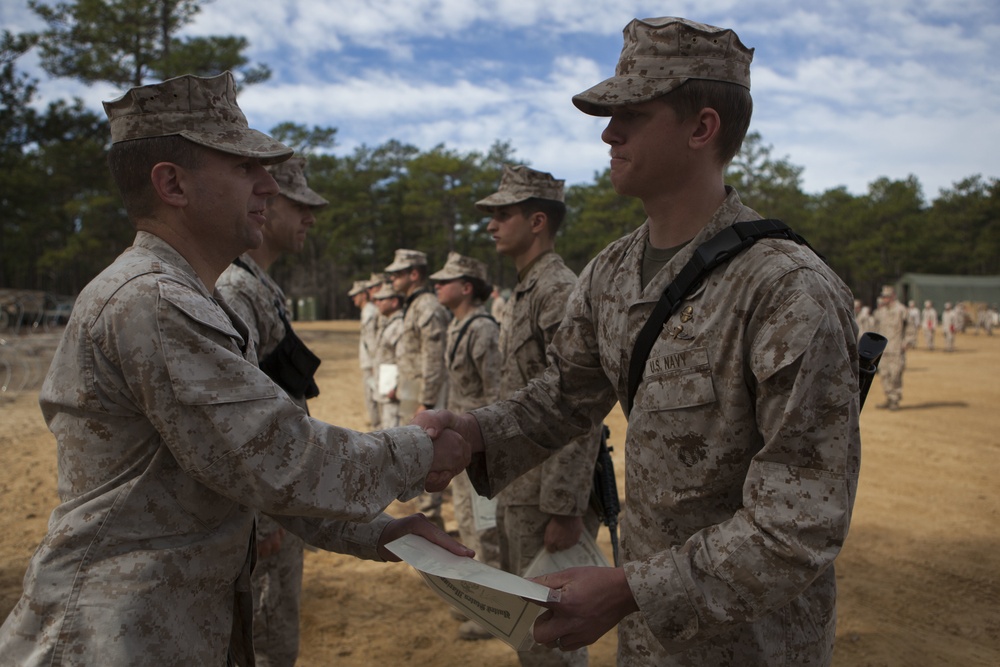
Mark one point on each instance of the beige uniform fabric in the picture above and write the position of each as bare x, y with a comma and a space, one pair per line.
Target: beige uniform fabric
950, 323
168, 436
929, 322
892, 322
421, 364
277, 578
473, 381
387, 350
422, 374
562, 484
742, 452
370, 320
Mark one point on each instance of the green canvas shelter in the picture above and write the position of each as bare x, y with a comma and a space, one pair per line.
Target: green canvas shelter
939, 289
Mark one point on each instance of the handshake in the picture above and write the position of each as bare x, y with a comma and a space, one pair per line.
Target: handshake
456, 438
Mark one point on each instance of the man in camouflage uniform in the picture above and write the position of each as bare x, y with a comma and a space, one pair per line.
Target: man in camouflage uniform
929, 322
743, 448
892, 321
473, 361
388, 347
422, 375
361, 292
260, 303
170, 438
950, 324
548, 506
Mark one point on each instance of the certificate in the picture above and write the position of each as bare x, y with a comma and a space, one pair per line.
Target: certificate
387, 376
497, 600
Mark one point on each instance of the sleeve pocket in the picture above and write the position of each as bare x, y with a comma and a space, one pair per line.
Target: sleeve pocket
786, 336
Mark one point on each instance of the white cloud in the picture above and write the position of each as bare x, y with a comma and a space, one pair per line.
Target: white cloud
849, 90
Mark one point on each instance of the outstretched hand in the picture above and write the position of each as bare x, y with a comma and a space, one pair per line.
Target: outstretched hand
418, 524
592, 600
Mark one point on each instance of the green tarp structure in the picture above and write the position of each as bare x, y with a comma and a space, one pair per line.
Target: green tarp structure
939, 289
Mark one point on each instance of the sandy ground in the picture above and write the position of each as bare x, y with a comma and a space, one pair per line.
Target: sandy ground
919, 577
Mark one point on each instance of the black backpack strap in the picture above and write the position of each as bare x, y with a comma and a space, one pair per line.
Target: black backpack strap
715, 251
461, 333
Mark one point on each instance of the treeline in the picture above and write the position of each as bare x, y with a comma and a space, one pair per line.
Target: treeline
62, 220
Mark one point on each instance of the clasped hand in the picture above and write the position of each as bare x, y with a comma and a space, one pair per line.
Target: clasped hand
455, 438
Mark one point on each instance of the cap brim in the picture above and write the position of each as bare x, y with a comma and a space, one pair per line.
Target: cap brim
242, 141
307, 197
398, 266
619, 91
498, 199
444, 274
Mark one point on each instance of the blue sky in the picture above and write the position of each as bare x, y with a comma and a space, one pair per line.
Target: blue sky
849, 90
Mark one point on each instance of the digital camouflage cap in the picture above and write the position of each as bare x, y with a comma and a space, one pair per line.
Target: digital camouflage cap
406, 259
386, 292
291, 178
357, 288
662, 53
460, 266
520, 183
203, 110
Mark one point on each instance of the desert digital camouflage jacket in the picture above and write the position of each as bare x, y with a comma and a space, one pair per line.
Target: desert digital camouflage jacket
473, 361
560, 485
892, 322
252, 293
425, 323
742, 452
256, 298
168, 436
370, 322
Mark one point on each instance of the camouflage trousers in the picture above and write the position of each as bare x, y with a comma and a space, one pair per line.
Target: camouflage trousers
485, 542
929, 338
388, 414
277, 590
891, 374
522, 535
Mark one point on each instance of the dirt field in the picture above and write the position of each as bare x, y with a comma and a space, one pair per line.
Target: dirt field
919, 577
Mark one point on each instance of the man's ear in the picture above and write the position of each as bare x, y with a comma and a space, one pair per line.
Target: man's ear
539, 223
706, 128
168, 181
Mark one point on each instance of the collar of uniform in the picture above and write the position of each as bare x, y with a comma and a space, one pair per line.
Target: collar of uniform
729, 212
172, 258
416, 295
527, 276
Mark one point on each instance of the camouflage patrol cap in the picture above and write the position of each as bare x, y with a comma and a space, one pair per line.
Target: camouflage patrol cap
291, 178
376, 279
203, 110
357, 287
460, 266
406, 259
519, 183
662, 53
386, 292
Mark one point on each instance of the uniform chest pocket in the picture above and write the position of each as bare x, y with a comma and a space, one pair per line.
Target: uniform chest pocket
676, 380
